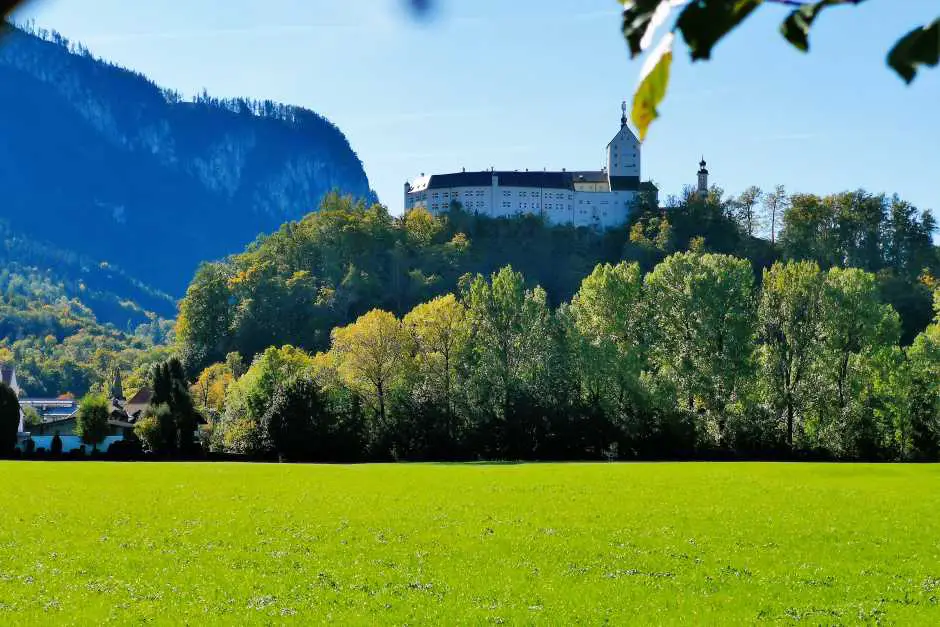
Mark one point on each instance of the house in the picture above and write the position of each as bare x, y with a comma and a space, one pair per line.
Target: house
58, 417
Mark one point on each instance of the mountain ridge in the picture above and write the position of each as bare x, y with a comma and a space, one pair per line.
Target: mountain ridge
100, 160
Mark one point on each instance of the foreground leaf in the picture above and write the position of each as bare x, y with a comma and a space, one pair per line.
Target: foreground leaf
654, 80
637, 21
704, 22
796, 27
919, 47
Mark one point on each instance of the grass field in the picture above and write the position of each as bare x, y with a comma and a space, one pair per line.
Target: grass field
559, 544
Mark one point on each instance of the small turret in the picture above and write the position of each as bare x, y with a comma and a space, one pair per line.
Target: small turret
702, 178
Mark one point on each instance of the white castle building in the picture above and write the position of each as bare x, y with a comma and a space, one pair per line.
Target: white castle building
596, 198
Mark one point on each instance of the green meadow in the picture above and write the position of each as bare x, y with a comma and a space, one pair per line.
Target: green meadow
554, 544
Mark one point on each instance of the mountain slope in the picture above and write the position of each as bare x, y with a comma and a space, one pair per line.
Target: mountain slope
100, 161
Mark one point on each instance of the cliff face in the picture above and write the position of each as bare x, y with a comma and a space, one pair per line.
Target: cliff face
100, 161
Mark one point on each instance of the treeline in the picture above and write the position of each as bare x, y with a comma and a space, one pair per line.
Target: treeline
690, 359
294, 286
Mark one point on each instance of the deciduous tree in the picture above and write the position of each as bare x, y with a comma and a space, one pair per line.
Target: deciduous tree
702, 312
91, 421
790, 327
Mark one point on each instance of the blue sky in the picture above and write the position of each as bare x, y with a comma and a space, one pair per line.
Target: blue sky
538, 83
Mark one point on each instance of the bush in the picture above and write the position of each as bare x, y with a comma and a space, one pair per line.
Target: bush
125, 449
56, 447
29, 446
148, 432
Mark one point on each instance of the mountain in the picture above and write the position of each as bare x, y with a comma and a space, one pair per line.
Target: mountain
103, 164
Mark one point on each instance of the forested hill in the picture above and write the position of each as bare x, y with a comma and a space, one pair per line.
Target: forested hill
101, 162
296, 285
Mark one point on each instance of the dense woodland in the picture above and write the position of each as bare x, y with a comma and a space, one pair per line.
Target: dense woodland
791, 325
294, 286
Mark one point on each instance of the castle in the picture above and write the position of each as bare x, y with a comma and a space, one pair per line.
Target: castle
594, 198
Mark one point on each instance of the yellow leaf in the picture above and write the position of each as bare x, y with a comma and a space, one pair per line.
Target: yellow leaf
654, 79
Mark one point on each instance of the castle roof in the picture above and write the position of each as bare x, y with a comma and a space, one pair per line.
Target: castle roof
555, 180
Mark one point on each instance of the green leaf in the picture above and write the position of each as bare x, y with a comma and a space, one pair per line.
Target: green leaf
704, 22
637, 19
654, 80
921, 46
796, 27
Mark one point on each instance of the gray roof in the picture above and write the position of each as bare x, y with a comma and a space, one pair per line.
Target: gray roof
552, 180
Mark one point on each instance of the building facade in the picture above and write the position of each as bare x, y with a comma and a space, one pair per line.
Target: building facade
592, 198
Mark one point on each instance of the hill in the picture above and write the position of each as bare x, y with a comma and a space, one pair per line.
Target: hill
295, 285
101, 162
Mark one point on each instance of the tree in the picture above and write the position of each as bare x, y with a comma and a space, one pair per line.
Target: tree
170, 388
745, 210
702, 313
775, 205
704, 23
117, 385
203, 326
610, 314
31, 417
924, 409
790, 323
854, 322
296, 425
250, 396
211, 386
438, 332
9, 418
152, 428
369, 353
91, 421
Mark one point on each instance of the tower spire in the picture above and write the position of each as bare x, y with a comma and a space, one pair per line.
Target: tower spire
702, 178
623, 118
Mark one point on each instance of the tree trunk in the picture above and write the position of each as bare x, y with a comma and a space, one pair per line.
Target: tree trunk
789, 422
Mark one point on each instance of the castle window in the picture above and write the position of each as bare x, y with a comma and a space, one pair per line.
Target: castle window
507, 193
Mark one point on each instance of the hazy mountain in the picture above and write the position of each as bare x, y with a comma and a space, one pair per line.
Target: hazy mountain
106, 165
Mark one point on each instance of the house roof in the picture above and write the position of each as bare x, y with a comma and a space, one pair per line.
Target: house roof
136, 405
142, 397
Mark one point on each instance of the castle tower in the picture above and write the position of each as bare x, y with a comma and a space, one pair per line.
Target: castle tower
702, 179
623, 157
